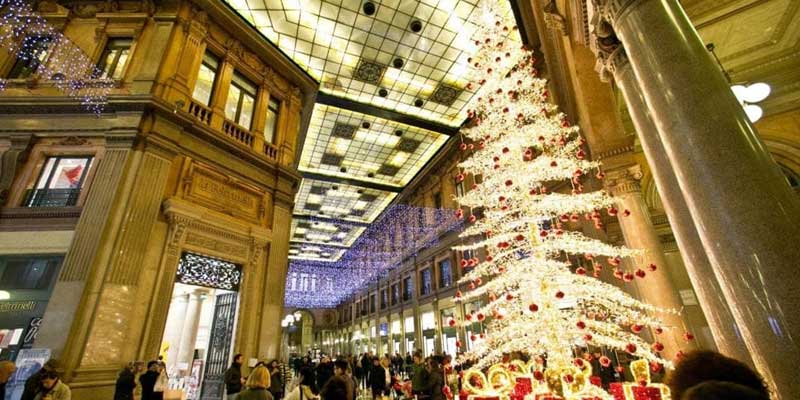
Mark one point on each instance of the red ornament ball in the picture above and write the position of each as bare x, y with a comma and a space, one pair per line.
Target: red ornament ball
569, 378
688, 336
581, 325
588, 337
659, 330
509, 297
630, 348
613, 211
538, 375
451, 322
462, 146
658, 347
636, 328
559, 294
533, 307
543, 233
509, 182
628, 277
553, 164
605, 361
626, 213
481, 317
520, 237
652, 267
640, 273
580, 271
473, 338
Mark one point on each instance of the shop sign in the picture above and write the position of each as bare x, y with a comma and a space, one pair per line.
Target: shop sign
32, 332
17, 306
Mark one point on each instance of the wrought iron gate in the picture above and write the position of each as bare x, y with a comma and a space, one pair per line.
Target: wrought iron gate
219, 347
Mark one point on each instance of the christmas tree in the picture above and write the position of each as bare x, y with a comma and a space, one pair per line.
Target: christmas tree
532, 165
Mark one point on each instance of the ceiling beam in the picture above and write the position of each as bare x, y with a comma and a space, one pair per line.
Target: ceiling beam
385, 113
322, 218
351, 181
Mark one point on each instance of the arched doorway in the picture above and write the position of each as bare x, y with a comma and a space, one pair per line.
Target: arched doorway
298, 333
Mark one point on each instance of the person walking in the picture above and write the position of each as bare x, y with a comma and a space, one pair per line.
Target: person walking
53, 388
276, 380
380, 378
435, 380
419, 377
306, 388
126, 383
233, 377
257, 385
7, 369
339, 378
148, 381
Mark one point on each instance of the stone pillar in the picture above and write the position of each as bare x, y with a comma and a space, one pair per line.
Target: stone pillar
639, 233
275, 285
745, 213
701, 273
191, 323
11, 157
173, 329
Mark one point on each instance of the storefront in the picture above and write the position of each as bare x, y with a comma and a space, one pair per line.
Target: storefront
449, 333
428, 333
26, 283
410, 335
198, 336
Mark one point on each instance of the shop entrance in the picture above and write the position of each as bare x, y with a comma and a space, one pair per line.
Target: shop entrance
198, 337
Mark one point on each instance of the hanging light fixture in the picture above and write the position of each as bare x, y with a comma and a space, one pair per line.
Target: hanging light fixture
747, 94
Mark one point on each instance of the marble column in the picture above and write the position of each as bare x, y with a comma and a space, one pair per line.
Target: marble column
275, 285
191, 324
716, 310
745, 213
173, 330
637, 228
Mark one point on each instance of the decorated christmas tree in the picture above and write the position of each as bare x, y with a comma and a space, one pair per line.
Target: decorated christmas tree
537, 270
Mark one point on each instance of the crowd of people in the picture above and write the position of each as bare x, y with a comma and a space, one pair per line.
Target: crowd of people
699, 375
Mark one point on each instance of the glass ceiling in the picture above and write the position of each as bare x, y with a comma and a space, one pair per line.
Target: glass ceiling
349, 144
354, 55
406, 56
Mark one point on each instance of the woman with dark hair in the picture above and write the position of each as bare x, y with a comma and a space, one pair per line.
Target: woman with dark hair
276, 378
702, 366
53, 388
126, 383
716, 390
306, 388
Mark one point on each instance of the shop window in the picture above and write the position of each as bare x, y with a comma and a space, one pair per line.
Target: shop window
372, 303
426, 282
241, 101
273, 108
114, 58
33, 53
395, 294
59, 183
204, 87
408, 288
28, 272
384, 299
445, 273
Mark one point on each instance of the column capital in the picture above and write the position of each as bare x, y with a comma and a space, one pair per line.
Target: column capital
624, 180
603, 41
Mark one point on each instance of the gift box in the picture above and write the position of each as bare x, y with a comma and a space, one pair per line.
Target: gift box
646, 393
617, 390
523, 386
595, 380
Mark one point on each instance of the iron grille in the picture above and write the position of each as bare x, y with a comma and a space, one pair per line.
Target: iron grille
194, 269
51, 197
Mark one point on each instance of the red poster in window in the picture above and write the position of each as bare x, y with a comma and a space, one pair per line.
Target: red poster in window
73, 174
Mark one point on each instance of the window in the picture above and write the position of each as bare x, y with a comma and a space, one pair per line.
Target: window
364, 306
408, 288
115, 56
204, 86
426, 282
59, 183
273, 107
33, 53
240, 102
437, 200
372, 303
459, 189
28, 272
445, 273
384, 299
395, 294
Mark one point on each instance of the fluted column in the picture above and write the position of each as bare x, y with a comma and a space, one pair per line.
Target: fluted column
275, 285
639, 232
191, 324
720, 320
173, 330
745, 213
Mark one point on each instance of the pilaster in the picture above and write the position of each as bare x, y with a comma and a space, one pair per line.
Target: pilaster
12, 155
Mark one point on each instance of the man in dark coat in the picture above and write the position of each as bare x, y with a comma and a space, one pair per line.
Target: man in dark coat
148, 381
233, 376
126, 383
435, 380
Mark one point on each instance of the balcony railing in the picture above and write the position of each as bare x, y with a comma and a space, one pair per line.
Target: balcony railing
200, 112
51, 197
270, 151
238, 133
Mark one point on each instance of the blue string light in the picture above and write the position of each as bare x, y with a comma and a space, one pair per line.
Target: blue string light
399, 233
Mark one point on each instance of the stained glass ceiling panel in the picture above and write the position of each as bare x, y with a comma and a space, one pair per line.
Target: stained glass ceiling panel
315, 252
380, 59
347, 144
340, 201
325, 233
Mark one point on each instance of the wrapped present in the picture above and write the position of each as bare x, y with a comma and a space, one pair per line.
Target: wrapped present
595, 380
617, 390
646, 392
523, 386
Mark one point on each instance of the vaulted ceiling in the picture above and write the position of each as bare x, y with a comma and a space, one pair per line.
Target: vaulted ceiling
393, 80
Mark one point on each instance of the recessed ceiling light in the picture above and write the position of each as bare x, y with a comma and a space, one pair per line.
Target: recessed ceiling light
343, 169
398, 133
365, 125
418, 102
360, 191
368, 7
398, 62
334, 187
383, 92
371, 175
416, 25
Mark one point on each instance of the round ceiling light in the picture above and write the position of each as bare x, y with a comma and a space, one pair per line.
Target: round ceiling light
369, 8
398, 133
383, 92
365, 125
398, 63
415, 26
753, 112
418, 102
